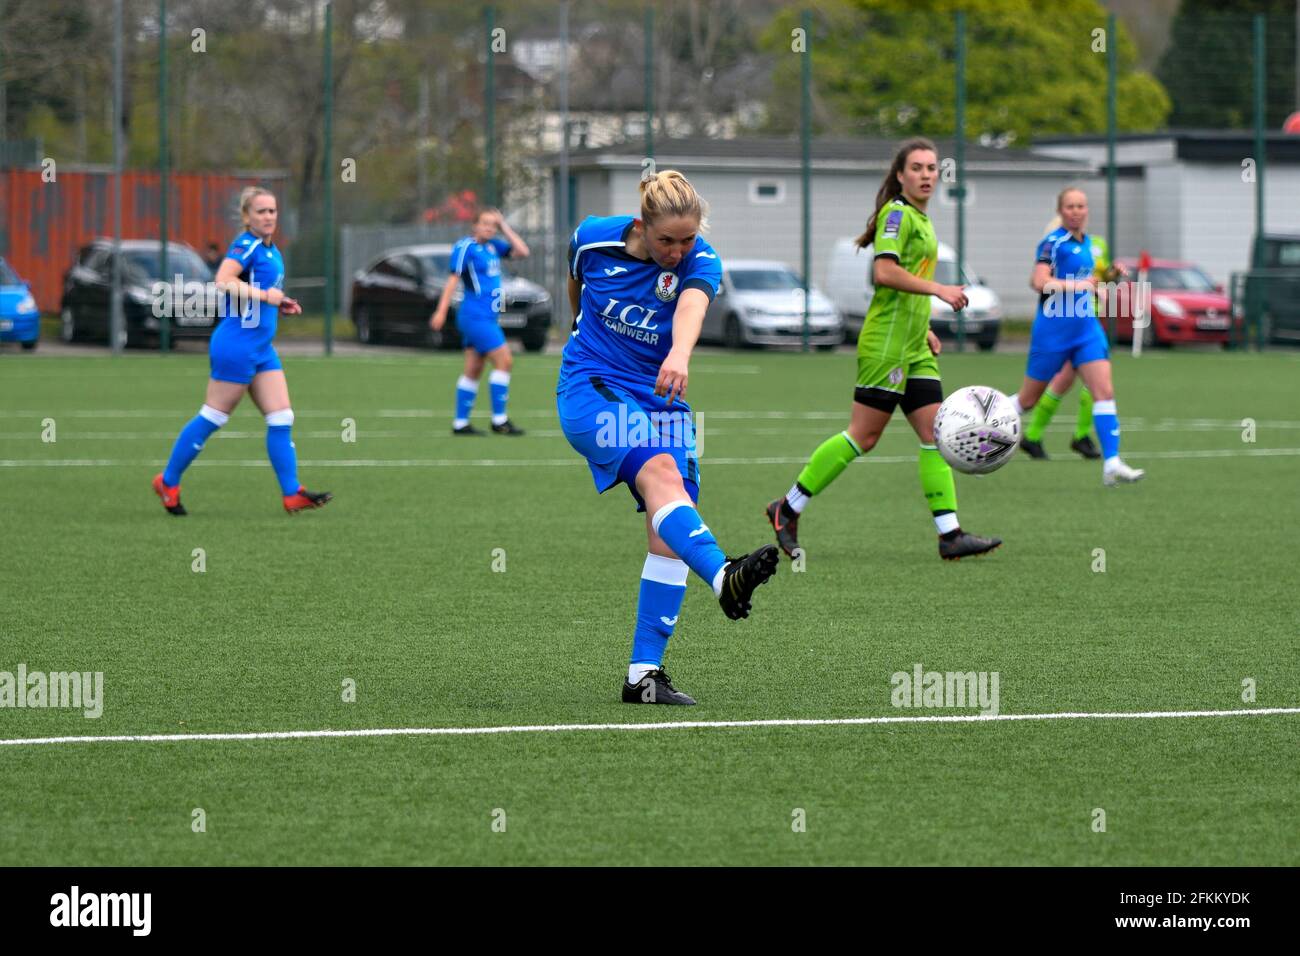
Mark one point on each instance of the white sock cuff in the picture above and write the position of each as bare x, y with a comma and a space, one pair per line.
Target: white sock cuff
498, 377
283, 417
1104, 408
214, 415
468, 384
946, 523
665, 570
1015, 403
668, 509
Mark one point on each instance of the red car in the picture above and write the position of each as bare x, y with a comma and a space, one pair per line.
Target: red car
1186, 305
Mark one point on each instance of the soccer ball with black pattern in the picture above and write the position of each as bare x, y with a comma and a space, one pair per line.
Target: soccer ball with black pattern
977, 430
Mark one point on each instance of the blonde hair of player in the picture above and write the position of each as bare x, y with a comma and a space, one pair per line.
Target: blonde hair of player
668, 194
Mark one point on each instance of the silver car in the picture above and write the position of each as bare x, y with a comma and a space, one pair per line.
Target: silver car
760, 302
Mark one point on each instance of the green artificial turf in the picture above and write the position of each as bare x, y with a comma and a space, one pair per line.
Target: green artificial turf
393, 587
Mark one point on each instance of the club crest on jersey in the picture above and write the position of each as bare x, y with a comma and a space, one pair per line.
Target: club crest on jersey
895, 376
666, 286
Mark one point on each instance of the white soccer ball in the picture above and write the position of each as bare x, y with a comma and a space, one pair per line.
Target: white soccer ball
977, 430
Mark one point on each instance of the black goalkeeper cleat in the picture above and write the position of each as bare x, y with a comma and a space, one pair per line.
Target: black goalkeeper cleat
962, 545
507, 427
742, 575
785, 522
1085, 447
466, 429
656, 687
1034, 449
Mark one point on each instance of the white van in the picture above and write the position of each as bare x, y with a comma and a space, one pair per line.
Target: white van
849, 285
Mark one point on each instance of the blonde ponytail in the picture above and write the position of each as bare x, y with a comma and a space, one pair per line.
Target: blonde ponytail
668, 194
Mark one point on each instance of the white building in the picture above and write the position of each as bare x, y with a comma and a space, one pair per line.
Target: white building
1191, 194
753, 188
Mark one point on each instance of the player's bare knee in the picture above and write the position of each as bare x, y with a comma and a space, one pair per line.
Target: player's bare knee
866, 440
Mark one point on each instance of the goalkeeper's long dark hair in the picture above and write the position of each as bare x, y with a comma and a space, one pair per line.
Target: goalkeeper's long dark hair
891, 188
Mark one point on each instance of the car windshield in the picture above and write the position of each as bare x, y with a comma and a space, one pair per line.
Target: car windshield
1188, 279
765, 280
7, 275
436, 263
183, 261
1282, 253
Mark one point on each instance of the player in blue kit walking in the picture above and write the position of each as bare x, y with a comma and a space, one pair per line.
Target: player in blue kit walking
476, 261
639, 288
1066, 329
242, 358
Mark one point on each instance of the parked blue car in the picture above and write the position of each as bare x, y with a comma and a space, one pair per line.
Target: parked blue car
20, 321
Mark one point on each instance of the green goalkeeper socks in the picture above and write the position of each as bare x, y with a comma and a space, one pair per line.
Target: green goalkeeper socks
1083, 427
831, 457
936, 480
1042, 416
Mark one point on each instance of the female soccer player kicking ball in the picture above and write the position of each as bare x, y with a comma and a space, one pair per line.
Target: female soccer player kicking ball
242, 358
896, 357
476, 261
1066, 330
639, 288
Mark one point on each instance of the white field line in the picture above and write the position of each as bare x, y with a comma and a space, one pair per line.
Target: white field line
573, 460
664, 725
439, 433
180, 415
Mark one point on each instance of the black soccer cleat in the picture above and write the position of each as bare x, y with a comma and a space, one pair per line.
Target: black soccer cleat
1085, 447
1034, 449
962, 545
466, 429
656, 687
507, 427
785, 522
742, 575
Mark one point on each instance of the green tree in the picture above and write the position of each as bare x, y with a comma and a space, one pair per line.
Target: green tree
883, 68
1208, 67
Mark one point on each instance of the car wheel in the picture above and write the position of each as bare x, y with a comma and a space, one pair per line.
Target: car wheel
731, 336
68, 324
534, 341
29, 346
365, 334
826, 348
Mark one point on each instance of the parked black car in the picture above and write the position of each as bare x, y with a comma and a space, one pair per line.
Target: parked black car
84, 312
394, 297
1273, 289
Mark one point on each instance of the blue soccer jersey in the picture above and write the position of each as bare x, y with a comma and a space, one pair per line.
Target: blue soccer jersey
262, 267
624, 327
1069, 258
479, 266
